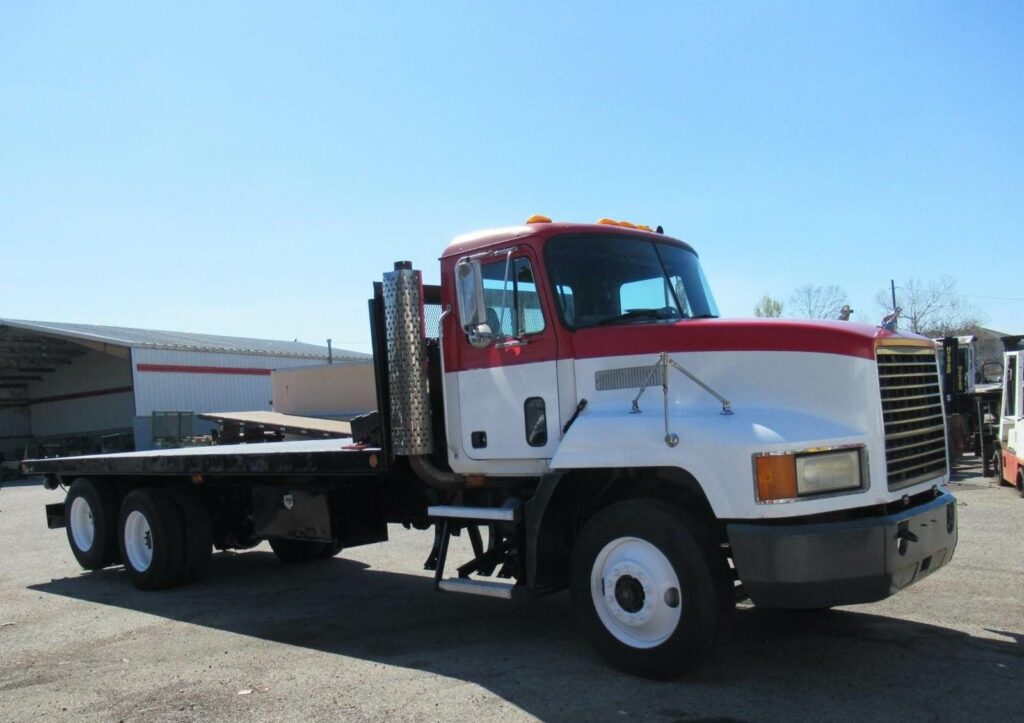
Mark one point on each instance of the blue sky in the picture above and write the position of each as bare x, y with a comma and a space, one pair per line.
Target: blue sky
250, 168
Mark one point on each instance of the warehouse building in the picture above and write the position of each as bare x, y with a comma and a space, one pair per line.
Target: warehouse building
80, 388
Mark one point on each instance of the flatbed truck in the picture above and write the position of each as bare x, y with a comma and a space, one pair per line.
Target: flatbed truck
570, 391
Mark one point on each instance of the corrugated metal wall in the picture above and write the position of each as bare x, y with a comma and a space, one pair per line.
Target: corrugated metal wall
91, 394
186, 381
182, 381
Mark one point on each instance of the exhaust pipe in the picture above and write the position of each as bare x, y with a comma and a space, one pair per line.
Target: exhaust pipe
437, 478
411, 424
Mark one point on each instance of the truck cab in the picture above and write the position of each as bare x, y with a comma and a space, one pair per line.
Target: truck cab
812, 453
577, 314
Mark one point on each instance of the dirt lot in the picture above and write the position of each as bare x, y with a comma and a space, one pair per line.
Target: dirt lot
364, 637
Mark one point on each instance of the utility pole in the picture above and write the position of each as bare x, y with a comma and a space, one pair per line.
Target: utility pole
892, 287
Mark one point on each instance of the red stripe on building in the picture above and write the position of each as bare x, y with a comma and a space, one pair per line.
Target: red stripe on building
81, 395
185, 369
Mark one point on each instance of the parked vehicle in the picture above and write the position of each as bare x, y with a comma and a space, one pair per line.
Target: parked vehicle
569, 389
970, 397
1009, 455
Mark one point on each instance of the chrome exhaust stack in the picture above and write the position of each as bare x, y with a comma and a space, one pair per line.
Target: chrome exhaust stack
412, 433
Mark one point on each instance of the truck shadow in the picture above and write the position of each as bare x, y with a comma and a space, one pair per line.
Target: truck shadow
841, 663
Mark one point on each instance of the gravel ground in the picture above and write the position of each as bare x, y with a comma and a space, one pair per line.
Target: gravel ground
364, 637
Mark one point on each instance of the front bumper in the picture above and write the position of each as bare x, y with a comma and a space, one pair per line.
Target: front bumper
843, 563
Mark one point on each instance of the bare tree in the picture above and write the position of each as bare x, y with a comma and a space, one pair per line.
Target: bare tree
818, 302
768, 308
933, 308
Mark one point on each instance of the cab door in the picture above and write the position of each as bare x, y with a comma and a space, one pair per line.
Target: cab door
508, 390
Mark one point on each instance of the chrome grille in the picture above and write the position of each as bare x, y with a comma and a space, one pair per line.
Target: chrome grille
915, 432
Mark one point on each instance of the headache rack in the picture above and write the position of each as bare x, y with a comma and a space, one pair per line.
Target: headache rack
915, 430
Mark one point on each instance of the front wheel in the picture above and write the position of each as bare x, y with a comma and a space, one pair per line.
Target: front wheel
646, 588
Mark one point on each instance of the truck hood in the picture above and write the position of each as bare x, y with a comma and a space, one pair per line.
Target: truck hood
701, 335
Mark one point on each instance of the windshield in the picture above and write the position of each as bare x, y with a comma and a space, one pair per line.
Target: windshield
605, 279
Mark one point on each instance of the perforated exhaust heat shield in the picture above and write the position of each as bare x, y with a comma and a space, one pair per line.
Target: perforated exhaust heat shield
407, 362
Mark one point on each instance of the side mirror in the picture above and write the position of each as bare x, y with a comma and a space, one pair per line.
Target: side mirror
469, 289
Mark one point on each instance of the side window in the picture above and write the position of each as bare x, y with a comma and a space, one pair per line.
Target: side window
513, 306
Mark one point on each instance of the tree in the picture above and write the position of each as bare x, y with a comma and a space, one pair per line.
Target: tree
818, 302
933, 308
768, 308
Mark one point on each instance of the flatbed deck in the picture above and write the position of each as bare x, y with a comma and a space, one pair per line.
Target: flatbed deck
284, 423
319, 456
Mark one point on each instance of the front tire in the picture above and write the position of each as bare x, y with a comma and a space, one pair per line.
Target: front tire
91, 524
151, 540
647, 589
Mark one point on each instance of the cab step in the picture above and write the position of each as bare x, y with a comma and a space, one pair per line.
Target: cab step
488, 588
479, 514
500, 554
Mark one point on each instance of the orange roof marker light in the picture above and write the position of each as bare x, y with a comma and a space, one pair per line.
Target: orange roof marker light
624, 224
537, 218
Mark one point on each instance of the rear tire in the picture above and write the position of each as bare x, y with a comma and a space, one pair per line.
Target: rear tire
198, 535
648, 588
292, 552
1020, 482
151, 540
91, 524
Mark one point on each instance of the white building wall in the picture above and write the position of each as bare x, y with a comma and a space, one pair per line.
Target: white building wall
91, 394
187, 381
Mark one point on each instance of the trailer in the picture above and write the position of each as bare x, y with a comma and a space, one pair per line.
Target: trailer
569, 393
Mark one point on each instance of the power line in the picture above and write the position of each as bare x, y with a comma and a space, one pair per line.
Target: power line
1000, 298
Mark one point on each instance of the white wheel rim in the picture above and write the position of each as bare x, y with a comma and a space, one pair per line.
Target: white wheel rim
83, 527
636, 592
138, 541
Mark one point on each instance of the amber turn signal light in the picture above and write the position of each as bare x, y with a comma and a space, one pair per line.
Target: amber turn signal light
776, 477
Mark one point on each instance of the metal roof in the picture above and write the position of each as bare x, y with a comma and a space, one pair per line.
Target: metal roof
154, 339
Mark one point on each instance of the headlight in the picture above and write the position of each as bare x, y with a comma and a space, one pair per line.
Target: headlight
832, 472
790, 476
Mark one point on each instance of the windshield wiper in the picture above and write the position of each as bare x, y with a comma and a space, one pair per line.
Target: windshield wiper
665, 312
